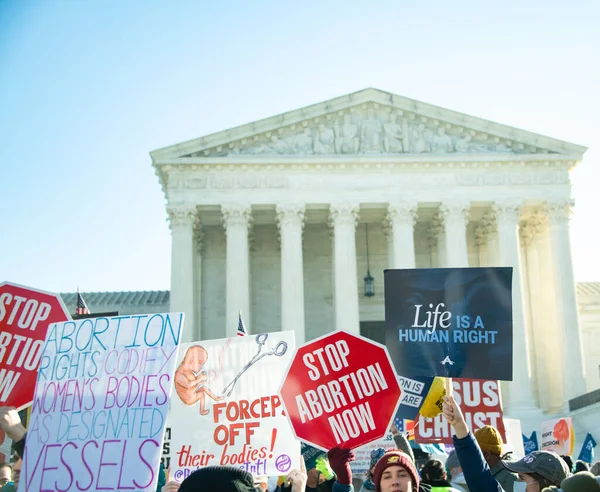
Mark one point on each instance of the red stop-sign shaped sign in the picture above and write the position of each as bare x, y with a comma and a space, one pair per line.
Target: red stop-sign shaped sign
25, 315
340, 390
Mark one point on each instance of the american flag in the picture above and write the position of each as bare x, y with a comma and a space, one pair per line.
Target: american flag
81, 305
241, 331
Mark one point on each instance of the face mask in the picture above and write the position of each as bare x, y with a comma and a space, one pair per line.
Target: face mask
519, 487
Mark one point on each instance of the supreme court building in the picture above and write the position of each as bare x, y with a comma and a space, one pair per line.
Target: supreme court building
283, 218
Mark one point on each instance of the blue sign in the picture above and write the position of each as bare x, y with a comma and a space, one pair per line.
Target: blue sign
587, 450
450, 322
530, 444
414, 391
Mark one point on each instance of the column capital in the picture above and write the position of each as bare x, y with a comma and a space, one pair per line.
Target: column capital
433, 233
181, 216
508, 211
289, 213
343, 213
531, 228
455, 210
559, 211
402, 211
486, 226
236, 214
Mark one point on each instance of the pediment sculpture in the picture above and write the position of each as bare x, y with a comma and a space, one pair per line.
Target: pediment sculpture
370, 132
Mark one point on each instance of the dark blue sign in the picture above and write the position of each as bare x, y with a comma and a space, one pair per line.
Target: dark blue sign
587, 450
414, 391
530, 444
450, 322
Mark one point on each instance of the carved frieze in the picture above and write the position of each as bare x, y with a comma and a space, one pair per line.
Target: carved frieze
369, 129
237, 181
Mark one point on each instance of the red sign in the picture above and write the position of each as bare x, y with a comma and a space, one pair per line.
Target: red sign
480, 402
25, 315
340, 390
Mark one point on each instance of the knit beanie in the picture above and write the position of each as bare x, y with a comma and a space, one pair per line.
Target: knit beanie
395, 457
221, 478
489, 440
580, 482
376, 455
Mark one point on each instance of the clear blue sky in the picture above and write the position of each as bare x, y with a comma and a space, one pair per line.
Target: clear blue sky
88, 88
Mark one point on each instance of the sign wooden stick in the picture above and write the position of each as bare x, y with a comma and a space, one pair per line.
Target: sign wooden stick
448, 387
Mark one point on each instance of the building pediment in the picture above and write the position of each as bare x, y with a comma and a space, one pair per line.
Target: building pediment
368, 122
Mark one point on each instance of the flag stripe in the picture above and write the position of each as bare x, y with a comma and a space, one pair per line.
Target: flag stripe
81, 305
241, 330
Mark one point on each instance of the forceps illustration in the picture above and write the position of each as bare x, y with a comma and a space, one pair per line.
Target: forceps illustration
261, 339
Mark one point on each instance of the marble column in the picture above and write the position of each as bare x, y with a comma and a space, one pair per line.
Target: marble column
433, 237
527, 230
566, 299
181, 221
343, 218
456, 217
199, 243
520, 393
543, 327
237, 220
483, 233
401, 218
290, 220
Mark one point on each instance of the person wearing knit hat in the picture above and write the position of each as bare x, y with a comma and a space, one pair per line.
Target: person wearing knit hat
580, 482
376, 455
395, 472
221, 479
490, 443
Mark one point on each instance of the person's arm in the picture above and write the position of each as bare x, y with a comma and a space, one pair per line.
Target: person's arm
402, 443
475, 469
12, 426
339, 460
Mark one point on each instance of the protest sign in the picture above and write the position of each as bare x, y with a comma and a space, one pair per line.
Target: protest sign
558, 436
100, 404
25, 315
587, 449
5, 447
225, 409
165, 457
362, 454
450, 322
414, 391
530, 444
514, 438
480, 403
340, 390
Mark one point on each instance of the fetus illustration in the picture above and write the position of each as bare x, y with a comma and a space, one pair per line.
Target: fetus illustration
191, 379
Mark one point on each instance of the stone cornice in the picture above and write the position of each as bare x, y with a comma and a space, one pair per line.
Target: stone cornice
240, 161
376, 97
278, 166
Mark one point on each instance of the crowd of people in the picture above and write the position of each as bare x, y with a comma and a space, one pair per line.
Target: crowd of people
476, 464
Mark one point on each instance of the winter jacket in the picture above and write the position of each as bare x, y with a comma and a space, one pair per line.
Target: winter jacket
19, 446
459, 483
505, 478
441, 486
476, 470
338, 487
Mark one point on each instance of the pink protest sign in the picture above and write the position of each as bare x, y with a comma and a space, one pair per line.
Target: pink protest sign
100, 404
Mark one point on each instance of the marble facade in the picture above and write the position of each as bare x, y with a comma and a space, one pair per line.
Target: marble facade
269, 219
